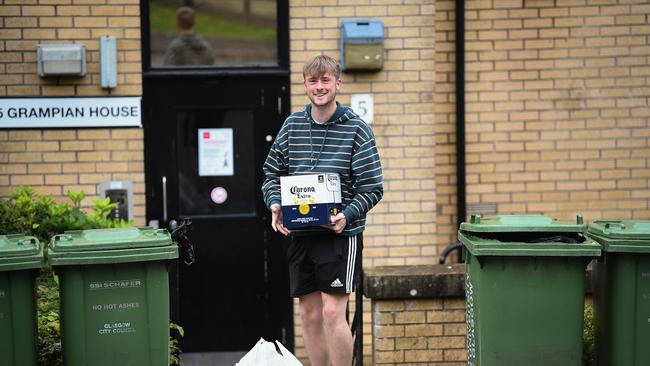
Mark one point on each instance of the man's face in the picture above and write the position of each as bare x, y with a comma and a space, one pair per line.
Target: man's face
321, 90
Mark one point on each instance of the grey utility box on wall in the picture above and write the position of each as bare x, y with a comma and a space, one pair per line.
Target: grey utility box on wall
120, 192
108, 61
362, 45
61, 59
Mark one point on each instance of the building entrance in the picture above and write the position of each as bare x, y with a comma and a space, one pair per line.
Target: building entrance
208, 127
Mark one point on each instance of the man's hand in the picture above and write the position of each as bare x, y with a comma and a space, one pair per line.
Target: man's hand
338, 222
276, 220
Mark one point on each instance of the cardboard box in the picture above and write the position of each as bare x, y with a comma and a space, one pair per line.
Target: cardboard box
310, 200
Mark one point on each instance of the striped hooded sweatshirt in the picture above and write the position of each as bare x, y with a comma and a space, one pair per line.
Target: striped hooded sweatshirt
344, 145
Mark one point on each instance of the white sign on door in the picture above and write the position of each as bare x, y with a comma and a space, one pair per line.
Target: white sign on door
363, 105
215, 152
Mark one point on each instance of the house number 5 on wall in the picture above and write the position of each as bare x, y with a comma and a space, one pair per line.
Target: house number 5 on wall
363, 105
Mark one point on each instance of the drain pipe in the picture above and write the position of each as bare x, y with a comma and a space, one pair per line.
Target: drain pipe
461, 202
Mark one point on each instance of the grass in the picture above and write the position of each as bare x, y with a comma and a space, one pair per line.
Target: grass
163, 21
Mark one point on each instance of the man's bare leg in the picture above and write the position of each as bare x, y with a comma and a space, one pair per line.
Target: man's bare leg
337, 330
311, 317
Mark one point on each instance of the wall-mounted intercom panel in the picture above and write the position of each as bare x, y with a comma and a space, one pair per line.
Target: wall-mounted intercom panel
61, 59
362, 44
120, 192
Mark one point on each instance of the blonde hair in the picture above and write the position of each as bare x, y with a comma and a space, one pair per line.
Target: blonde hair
321, 64
185, 17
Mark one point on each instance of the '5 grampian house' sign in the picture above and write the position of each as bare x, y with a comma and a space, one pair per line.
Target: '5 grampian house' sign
70, 112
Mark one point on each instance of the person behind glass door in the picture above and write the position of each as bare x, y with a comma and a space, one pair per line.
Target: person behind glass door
188, 48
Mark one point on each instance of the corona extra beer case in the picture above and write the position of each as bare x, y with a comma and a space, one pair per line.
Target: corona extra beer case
309, 200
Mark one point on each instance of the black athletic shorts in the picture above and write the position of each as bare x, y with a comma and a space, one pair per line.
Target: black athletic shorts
328, 263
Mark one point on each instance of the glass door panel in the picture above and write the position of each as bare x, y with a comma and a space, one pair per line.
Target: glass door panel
213, 33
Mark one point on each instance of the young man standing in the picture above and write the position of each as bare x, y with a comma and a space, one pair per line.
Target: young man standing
325, 137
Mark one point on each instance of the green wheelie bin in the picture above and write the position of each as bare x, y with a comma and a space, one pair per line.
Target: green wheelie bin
525, 286
622, 294
114, 288
21, 258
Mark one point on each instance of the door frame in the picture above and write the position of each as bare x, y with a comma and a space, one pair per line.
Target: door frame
215, 73
164, 164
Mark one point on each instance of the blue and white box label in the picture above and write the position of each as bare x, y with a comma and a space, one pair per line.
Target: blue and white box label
310, 200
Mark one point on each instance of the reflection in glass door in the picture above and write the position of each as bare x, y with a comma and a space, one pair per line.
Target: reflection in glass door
213, 33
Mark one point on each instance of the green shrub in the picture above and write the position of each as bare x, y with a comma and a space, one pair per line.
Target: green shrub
49, 336
588, 338
176, 332
41, 216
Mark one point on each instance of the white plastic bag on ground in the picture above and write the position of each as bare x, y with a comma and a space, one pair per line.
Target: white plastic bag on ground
265, 354
289, 358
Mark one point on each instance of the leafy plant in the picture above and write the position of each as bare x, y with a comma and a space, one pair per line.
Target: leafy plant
588, 338
49, 336
176, 332
41, 216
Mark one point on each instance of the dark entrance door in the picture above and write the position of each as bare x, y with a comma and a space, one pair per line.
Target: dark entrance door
207, 131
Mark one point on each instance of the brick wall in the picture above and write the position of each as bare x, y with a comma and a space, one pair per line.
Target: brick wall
422, 331
556, 109
445, 127
558, 106
419, 314
401, 228
556, 112
54, 161
419, 331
